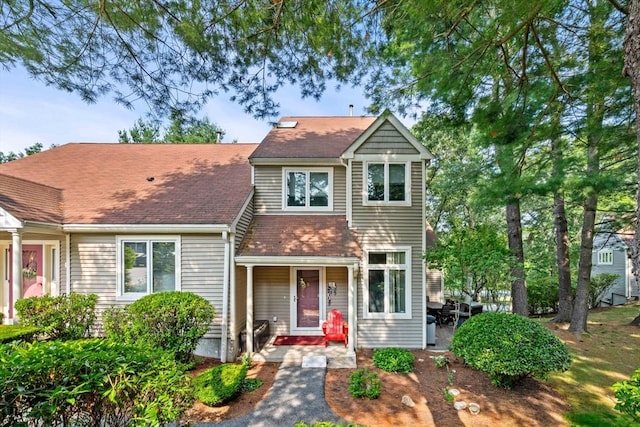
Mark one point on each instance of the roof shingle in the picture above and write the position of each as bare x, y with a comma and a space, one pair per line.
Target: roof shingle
141, 183
312, 137
299, 235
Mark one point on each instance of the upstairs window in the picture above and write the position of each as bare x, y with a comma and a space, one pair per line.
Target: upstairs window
387, 183
605, 257
306, 189
147, 265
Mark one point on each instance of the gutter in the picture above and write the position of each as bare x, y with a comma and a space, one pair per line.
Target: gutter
225, 297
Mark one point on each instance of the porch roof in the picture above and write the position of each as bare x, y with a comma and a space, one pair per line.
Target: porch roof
29, 201
299, 236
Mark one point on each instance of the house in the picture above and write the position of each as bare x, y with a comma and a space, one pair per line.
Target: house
326, 212
611, 254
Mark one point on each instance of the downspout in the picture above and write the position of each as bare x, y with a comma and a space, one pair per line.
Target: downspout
225, 297
67, 264
232, 296
423, 165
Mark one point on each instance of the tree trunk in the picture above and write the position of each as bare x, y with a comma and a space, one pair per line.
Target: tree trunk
580, 308
594, 134
632, 70
565, 306
565, 292
518, 285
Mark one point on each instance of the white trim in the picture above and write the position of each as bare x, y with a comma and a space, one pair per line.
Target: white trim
7, 220
386, 201
287, 261
294, 161
146, 228
605, 256
424, 251
322, 292
307, 171
225, 298
132, 296
408, 291
235, 222
386, 157
349, 201
67, 264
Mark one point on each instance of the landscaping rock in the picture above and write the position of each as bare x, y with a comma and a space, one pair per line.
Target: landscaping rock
406, 400
460, 405
474, 408
454, 391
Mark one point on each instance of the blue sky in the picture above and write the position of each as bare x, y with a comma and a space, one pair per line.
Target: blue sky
31, 112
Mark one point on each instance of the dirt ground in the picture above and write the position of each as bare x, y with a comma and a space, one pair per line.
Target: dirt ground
532, 403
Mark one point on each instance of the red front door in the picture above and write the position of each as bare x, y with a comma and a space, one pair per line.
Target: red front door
308, 298
32, 273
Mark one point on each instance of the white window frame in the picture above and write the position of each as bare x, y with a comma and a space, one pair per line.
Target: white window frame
387, 267
307, 172
386, 201
605, 256
121, 295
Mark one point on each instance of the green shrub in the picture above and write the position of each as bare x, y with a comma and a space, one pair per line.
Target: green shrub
90, 382
10, 333
509, 348
598, 286
65, 317
218, 385
542, 294
251, 384
627, 395
394, 360
174, 321
364, 383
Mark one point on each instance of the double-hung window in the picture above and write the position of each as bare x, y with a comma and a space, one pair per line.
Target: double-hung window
307, 189
387, 183
605, 256
147, 265
388, 284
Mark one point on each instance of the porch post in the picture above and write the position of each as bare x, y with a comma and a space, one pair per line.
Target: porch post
249, 325
351, 298
16, 267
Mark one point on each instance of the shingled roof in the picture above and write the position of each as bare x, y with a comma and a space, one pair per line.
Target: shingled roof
131, 183
299, 235
311, 137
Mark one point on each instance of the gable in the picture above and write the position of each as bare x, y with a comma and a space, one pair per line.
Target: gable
387, 129
386, 140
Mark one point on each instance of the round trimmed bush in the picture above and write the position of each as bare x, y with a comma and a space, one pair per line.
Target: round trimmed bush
173, 321
509, 347
394, 359
218, 385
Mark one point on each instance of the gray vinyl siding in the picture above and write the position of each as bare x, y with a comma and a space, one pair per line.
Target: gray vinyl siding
93, 270
386, 140
271, 298
268, 190
394, 226
339, 301
243, 223
618, 267
203, 271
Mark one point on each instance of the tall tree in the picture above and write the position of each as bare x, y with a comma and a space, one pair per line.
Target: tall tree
32, 149
181, 130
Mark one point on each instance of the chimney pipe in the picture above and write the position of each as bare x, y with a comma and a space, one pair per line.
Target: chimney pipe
218, 136
350, 110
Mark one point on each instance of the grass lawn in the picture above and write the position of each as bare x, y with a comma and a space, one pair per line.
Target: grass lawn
610, 352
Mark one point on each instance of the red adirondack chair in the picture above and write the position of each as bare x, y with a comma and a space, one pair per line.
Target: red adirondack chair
335, 329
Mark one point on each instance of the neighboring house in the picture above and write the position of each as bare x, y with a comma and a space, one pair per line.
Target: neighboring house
611, 255
326, 212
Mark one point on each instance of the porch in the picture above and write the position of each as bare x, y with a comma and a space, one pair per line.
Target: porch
292, 355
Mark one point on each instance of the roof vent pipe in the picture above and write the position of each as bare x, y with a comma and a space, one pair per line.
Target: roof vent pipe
350, 110
218, 136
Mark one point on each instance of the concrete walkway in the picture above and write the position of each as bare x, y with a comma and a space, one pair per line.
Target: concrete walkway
297, 395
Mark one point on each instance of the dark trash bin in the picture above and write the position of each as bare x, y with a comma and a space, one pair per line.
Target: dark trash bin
260, 335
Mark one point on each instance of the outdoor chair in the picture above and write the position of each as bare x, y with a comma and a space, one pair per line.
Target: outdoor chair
335, 329
445, 315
